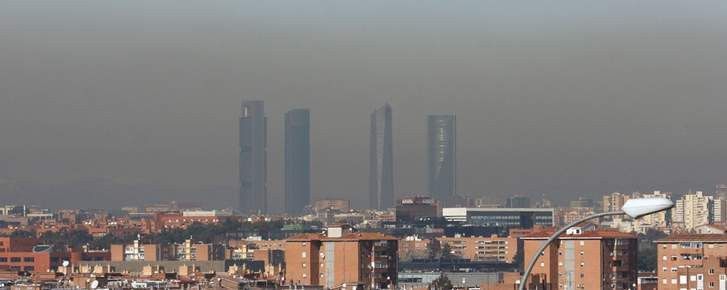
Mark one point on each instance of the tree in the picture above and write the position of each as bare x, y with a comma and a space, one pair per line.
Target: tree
434, 251
447, 252
441, 283
647, 250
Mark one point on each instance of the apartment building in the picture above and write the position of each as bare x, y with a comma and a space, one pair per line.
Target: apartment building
186, 251
692, 210
342, 257
492, 248
694, 261
600, 259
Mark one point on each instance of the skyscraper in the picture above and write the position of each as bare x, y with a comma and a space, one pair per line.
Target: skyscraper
297, 160
442, 154
253, 158
381, 159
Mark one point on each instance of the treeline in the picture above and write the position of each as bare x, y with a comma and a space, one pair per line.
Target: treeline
207, 233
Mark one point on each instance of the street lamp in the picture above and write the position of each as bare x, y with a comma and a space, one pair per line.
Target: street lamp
634, 208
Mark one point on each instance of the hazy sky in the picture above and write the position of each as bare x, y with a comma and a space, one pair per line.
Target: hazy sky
109, 103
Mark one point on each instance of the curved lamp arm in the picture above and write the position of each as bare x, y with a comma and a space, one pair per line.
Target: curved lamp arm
552, 238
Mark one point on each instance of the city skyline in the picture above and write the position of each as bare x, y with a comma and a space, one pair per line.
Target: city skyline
578, 98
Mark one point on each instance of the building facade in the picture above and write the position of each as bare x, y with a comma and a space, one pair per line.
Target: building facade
490, 249
694, 261
253, 158
583, 260
692, 210
501, 217
297, 160
381, 159
442, 156
341, 257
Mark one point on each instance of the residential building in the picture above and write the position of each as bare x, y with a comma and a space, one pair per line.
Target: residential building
342, 257
600, 259
582, 202
692, 261
186, 251
692, 210
614, 201
381, 159
442, 156
253, 158
297, 160
492, 248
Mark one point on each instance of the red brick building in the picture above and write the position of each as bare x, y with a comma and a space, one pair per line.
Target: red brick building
24, 254
341, 257
601, 259
692, 261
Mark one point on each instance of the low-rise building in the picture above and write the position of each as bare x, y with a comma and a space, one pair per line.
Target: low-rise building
492, 248
501, 217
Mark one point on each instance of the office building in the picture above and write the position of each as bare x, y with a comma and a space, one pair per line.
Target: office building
580, 259
253, 158
297, 160
25, 254
442, 156
416, 208
692, 261
367, 260
381, 159
501, 217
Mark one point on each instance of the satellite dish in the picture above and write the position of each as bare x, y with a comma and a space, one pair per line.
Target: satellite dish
94, 284
65, 263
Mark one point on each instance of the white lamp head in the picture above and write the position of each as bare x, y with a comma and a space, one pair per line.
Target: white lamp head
639, 207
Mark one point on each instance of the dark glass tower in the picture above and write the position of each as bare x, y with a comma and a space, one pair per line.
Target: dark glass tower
253, 158
381, 159
297, 160
442, 153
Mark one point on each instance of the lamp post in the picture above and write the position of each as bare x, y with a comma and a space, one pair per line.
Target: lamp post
634, 208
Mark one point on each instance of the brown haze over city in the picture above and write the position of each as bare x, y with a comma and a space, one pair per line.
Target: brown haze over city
109, 103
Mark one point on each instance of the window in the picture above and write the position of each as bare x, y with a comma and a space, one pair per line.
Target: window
3, 259
15, 259
29, 259
29, 269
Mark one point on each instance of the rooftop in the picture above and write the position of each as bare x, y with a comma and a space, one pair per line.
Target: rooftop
350, 236
597, 234
694, 238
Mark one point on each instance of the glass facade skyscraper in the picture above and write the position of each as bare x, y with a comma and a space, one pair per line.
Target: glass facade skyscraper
381, 159
253, 158
297, 160
442, 156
